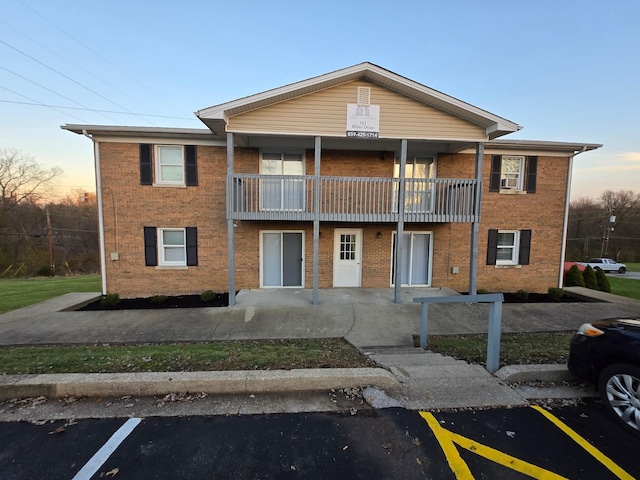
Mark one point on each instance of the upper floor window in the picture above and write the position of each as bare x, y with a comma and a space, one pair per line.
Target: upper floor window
513, 174
169, 164
418, 173
282, 193
172, 165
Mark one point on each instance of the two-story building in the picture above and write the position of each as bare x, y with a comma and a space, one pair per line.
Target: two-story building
356, 178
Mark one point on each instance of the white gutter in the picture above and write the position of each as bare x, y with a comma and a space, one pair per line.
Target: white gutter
565, 225
103, 257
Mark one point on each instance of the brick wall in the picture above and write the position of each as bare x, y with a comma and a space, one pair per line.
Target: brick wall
128, 207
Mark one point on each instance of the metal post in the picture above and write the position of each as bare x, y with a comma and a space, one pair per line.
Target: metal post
316, 215
424, 319
400, 227
475, 225
230, 233
493, 340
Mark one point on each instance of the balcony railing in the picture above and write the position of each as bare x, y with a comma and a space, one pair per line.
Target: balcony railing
349, 199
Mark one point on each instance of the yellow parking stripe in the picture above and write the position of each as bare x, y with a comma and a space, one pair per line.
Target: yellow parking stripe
593, 451
448, 440
456, 463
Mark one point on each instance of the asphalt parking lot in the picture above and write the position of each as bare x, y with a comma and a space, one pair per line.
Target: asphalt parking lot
569, 442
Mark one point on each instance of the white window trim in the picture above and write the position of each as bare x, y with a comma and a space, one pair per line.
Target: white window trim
515, 252
161, 252
429, 273
158, 175
519, 188
281, 272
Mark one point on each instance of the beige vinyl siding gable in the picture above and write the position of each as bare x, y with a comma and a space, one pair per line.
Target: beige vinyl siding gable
325, 113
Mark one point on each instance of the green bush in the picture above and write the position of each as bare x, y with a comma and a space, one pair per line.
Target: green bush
590, 278
483, 291
110, 300
208, 296
44, 272
158, 299
522, 294
574, 277
555, 294
603, 281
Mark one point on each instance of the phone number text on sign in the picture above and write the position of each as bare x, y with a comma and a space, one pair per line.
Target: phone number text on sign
362, 134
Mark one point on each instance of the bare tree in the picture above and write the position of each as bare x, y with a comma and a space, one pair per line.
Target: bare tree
22, 179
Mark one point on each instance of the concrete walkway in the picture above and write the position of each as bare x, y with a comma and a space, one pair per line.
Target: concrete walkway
367, 318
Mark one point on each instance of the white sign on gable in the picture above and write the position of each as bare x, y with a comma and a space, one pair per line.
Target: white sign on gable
363, 120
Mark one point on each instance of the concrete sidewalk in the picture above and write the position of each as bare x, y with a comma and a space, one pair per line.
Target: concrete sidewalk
367, 318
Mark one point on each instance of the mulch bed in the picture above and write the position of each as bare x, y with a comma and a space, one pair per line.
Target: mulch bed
180, 301
543, 298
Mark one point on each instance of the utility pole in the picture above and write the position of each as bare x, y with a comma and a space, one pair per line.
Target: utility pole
50, 238
607, 233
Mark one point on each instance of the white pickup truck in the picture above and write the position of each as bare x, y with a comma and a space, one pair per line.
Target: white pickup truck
605, 264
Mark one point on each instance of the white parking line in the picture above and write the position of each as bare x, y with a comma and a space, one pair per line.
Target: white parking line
101, 456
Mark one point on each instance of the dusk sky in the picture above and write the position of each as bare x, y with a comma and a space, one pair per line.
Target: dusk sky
564, 70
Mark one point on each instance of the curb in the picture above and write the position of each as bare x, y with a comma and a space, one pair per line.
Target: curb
162, 383
536, 373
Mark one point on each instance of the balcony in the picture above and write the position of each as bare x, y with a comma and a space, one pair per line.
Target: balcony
349, 199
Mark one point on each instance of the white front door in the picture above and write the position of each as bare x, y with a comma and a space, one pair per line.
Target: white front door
347, 258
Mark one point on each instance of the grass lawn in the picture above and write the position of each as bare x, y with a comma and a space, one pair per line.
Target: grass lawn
626, 287
632, 267
232, 355
515, 349
18, 293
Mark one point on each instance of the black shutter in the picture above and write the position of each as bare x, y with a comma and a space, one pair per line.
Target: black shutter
494, 179
192, 246
525, 247
532, 174
191, 165
150, 247
145, 164
492, 247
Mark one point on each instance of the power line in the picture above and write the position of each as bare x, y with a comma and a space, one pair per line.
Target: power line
96, 54
79, 67
56, 93
70, 79
39, 104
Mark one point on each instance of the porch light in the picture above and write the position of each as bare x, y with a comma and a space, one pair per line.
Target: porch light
379, 235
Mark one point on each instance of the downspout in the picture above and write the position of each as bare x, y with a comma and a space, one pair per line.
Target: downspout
565, 226
103, 259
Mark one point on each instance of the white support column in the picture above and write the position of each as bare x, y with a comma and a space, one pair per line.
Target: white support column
475, 226
230, 233
316, 213
400, 227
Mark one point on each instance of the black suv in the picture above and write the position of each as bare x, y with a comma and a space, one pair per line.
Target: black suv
607, 353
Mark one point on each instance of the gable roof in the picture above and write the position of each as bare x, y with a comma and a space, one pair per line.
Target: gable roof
216, 117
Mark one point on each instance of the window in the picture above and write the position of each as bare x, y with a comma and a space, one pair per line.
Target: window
175, 165
171, 247
169, 164
513, 174
508, 247
347, 247
419, 173
282, 193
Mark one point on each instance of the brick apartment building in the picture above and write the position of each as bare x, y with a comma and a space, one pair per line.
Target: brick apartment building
309, 185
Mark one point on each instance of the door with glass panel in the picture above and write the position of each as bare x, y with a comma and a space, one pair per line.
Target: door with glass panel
282, 193
418, 173
416, 259
347, 258
282, 259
